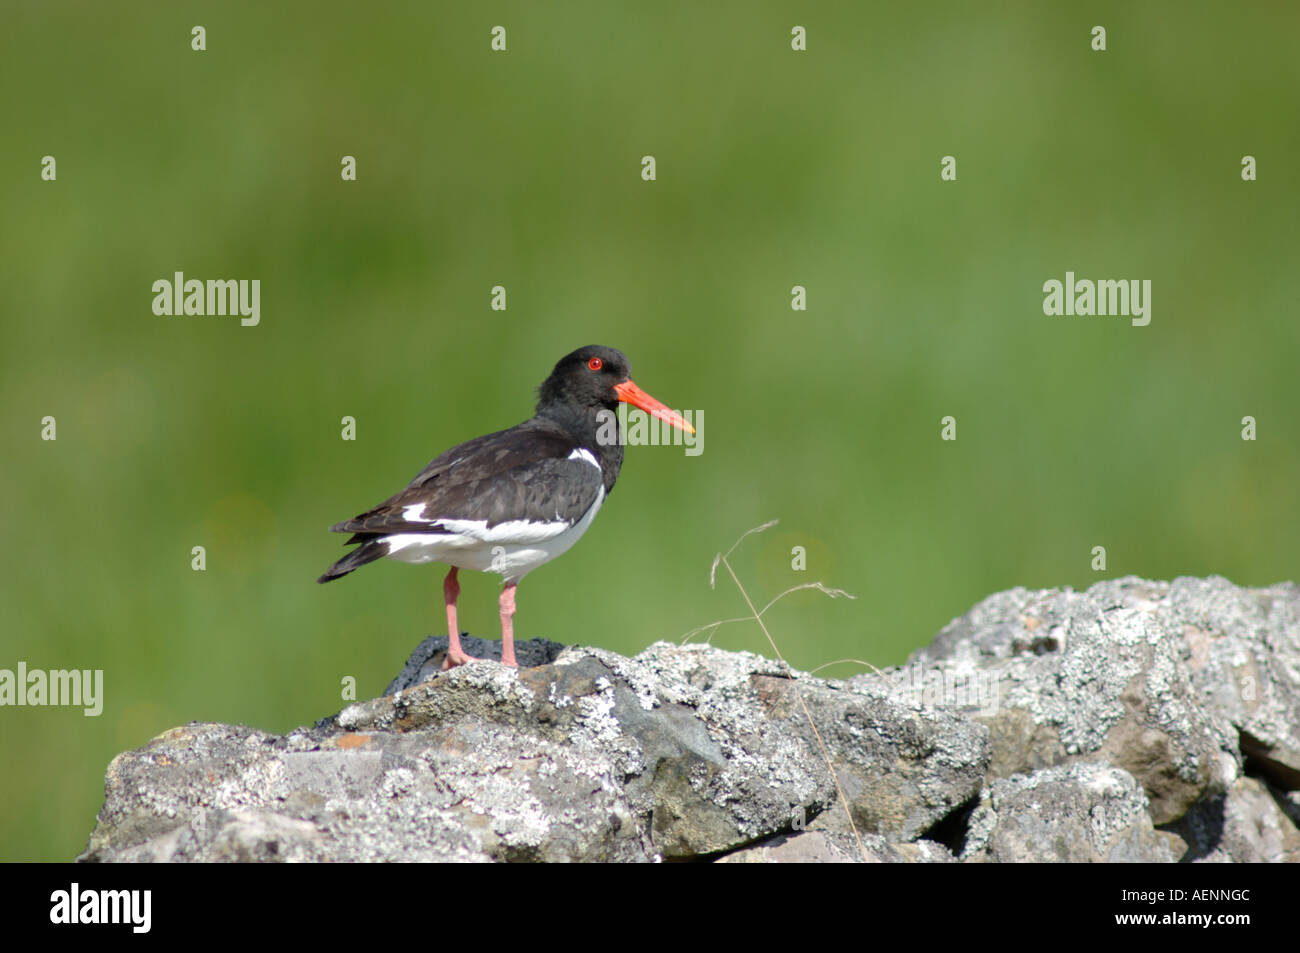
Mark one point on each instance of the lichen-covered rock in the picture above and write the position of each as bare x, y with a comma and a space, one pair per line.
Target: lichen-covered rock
681, 752
830, 847
1084, 813
1137, 721
1180, 684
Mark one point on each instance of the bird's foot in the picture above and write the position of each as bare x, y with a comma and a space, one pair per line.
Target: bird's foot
456, 656
460, 658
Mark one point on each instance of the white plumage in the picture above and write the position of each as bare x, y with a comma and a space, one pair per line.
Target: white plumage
513, 548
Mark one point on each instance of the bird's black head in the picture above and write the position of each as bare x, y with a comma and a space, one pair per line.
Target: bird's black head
592, 379
587, 378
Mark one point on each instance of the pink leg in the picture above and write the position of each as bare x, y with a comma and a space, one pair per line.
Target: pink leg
507, 604
450, 591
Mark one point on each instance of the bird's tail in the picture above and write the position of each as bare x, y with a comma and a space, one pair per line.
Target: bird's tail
367, 552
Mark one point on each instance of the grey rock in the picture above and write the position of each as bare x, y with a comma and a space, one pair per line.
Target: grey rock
806, 847
1083, 813
1181, 684
902, 769
427, 658
830, 847
1247, 824
1136, 721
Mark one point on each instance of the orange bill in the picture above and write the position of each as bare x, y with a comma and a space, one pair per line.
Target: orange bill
629, 393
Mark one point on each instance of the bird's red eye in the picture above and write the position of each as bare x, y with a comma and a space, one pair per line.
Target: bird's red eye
595, 363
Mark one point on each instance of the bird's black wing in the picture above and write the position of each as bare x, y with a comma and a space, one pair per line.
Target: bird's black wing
533, 472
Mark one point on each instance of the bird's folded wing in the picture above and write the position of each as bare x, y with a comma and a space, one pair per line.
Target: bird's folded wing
543, 479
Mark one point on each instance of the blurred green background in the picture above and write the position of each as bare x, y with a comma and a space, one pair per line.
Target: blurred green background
775, 168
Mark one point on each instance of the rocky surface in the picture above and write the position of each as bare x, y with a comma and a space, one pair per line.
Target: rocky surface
1136, 721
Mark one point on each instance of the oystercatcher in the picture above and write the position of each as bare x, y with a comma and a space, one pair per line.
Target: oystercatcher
512, 500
